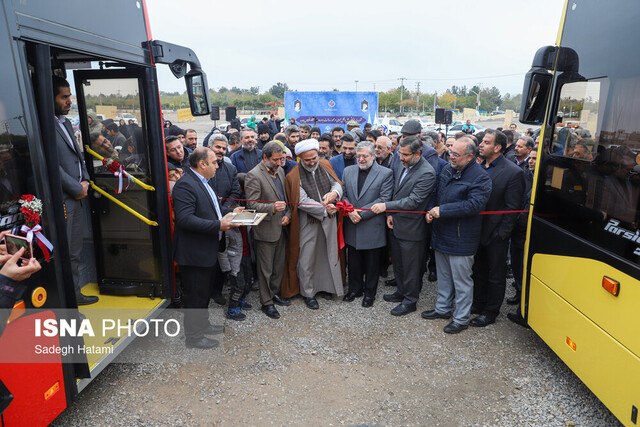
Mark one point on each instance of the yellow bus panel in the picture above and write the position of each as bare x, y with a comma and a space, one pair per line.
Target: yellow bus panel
579, 282
607, 368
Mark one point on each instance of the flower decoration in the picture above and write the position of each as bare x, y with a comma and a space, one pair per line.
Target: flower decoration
31, 208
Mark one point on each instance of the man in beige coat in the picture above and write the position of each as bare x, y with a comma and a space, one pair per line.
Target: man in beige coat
264, 187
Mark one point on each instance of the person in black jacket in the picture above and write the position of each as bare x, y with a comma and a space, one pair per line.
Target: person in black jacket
198, 231
462, 192
489, 268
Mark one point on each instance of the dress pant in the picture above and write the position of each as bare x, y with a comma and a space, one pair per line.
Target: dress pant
196, 287
364, 270
74, 216
270, 265
489, 277
454, 283
408, 263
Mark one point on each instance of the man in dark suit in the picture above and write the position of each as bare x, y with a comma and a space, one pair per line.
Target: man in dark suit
489, 268
75, 182
414, 128
264, 186
411, 192
249, 156
365, 184
196, 239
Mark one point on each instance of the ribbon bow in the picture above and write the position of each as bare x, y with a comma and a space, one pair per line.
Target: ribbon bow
345, 208
123, 180
42, 241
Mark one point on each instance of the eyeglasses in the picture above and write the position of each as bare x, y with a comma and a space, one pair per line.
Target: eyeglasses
456, 155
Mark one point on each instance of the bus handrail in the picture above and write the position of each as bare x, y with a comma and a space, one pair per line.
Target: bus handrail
122, 205
131, 177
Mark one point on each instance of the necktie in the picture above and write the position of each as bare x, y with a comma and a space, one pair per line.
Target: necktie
404, 173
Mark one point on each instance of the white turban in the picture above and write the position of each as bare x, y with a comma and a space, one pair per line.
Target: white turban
307, 145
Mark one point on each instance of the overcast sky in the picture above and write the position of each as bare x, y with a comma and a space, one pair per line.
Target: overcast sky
329, 44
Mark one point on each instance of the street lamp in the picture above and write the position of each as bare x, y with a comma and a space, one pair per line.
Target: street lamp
356, 85
477, 99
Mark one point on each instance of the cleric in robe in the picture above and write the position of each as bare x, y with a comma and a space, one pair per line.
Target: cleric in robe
312, 264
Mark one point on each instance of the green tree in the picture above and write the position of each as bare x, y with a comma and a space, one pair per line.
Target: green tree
278, 90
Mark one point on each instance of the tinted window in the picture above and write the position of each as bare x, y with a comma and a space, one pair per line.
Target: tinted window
590, 168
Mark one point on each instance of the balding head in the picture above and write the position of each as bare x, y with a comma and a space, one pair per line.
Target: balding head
382, 147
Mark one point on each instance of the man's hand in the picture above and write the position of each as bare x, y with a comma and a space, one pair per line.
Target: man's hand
435, 212
378, 208
390, 222
18, 273
238, 209
226, 224
285, 221
331, 209
279, 206
4, 257
355, 217
329, 198
428, 217
85, 190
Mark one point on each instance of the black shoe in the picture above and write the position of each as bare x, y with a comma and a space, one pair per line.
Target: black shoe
214, 330
367, 302
514, 299
349, 297
391, 282
482, 321
432, 314
245, 305
270, 311
219, 299
394, 297
86, 299
454, 328
325, 295
433, 276
203, 342
518, 319
312, 303
277, 299
476, 310
402, 309
235, 314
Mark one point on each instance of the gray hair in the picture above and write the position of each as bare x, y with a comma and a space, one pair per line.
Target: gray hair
366, 145
528, 141
291, 129
219, 137
427, 140
247, 129
305, 126
470, 147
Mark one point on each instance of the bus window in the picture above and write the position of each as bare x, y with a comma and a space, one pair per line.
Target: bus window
591, 170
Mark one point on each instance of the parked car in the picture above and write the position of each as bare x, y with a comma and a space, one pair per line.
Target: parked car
427, 125
458, 128
496, 112
126, 117
392, 124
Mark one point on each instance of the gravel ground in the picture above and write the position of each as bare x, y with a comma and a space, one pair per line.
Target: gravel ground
342, 365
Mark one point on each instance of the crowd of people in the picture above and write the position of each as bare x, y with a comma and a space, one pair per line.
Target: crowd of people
410, 199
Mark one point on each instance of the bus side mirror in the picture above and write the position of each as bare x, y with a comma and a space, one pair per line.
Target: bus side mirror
535, 95
198, 92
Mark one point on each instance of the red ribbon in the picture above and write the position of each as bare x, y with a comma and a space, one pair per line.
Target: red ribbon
344, 208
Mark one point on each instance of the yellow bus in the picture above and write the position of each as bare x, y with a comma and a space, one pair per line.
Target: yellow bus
582, 265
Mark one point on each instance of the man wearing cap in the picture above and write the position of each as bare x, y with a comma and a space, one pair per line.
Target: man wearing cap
312, 263
413, 127
263, 135
348, 156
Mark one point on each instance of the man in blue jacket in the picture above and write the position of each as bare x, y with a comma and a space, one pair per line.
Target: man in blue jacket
463, 191
347, 157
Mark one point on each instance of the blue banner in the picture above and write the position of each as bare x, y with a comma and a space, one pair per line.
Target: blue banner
330, 109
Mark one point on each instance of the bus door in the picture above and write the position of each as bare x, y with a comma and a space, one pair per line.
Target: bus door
123, 200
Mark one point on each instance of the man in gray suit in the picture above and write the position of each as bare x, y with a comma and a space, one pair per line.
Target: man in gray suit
365, 184
265, 182
75, 181
411, 192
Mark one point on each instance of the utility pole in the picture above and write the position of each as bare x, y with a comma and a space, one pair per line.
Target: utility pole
402, 79
356, 85
374, 87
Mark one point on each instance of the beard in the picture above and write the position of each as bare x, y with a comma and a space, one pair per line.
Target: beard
325, 156
366, 165
310, 169
271, 166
